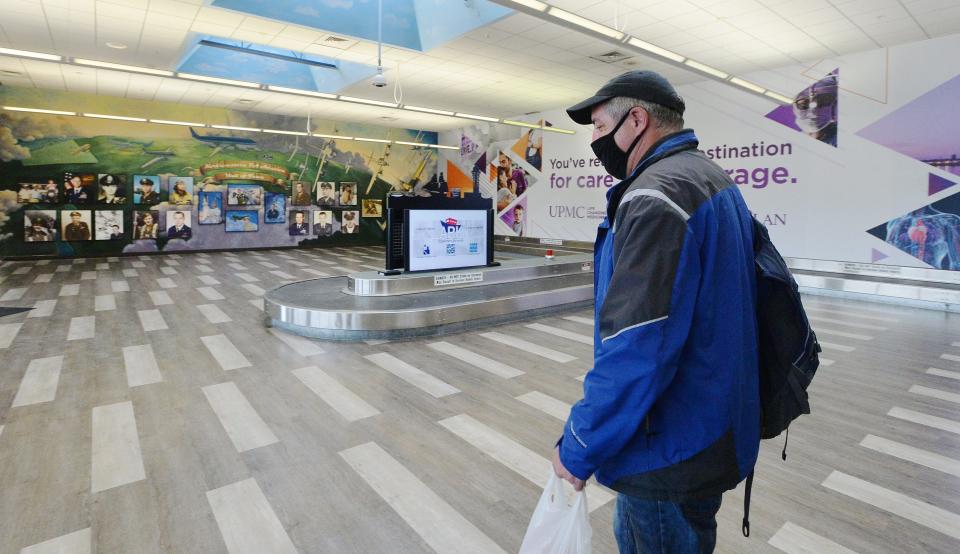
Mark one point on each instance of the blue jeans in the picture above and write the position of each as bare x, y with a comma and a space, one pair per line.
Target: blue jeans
662, 527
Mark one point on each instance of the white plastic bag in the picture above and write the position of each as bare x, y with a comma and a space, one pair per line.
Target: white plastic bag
556, 526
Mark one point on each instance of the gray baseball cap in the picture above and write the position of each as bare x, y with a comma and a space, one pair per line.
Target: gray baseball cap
640, 84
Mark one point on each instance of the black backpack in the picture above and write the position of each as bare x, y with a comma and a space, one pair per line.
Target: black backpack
788, 348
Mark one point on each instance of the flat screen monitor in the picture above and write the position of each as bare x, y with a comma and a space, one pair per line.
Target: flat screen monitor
446, 239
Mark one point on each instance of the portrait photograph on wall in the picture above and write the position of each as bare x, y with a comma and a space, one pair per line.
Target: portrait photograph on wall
76, 225
299, 226
275, 208
244, 195
209, 208
242, 221
180, 190
79, 188
146, 225
372, 207
39, 225
178, 224
327, 194
324, 224
111, 189
301, 194
348, 194
350, 222
38, 191
108, 225
146, 189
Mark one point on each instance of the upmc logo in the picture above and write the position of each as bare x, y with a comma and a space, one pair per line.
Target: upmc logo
450, 225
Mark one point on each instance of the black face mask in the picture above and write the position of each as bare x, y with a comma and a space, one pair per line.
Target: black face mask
613, 159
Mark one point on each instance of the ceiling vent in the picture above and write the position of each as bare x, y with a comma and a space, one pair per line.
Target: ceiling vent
611, 57
338, 42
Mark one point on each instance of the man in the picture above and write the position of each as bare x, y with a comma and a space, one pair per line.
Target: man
670, 415
299, 226
179, 230
300, 196
116, 233
76, 193
149, 228
179, 195
518, 220
327, 197
147, 194
25, 196
76, 229
323, 227
273, 214
110, 191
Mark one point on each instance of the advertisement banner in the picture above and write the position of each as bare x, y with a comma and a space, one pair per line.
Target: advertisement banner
861, 166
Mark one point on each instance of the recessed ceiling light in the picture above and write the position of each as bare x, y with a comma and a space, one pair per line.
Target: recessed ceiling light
116, 45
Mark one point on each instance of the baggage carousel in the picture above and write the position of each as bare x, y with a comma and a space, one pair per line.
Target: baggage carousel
369, 305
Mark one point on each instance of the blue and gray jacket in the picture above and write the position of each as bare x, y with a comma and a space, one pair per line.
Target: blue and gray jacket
670, 410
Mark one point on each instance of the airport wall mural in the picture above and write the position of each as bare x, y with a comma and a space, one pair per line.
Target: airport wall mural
84, 186
862, 167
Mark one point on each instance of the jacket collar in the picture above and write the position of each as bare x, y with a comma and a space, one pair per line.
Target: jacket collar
665, 147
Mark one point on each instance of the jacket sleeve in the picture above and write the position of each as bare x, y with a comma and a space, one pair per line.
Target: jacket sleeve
641, 329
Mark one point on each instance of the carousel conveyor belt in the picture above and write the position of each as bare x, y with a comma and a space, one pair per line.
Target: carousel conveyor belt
323, 309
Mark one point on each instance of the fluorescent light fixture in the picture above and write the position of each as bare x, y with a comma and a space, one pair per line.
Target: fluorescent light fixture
479, 117
654, 49
282, 132
368, 101
340, 137
703, 68
122, 67
520, 123
362, 139
37, 110
117, 117
29, 54
301, 92
778, 97
532, 4
427, 110
585, 23
559, 130
170, 122
443, 146
232, 128
410, 143
747, 85
218, 80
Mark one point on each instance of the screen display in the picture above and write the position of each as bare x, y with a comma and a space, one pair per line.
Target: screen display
446, 239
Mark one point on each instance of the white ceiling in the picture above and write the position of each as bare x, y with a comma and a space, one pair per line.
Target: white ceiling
517, 65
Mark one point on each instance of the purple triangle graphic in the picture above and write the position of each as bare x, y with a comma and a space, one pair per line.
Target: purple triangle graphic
876, 255
784, 116
938, 184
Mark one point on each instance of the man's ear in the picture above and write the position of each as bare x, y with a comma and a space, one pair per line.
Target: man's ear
639, 117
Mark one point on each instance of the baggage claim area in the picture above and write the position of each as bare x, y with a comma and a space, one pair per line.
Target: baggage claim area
319, 276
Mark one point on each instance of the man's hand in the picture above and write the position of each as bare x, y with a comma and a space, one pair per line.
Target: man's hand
563, 473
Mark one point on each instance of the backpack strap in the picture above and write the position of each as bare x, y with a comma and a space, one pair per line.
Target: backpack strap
746, 505
786, 438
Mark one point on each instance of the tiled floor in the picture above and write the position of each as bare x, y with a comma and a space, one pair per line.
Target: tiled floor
145, 407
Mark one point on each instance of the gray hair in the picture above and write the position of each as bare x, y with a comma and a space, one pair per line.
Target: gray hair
662, 117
